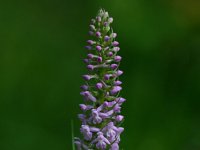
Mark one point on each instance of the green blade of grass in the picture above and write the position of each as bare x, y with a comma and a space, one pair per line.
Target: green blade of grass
72, 130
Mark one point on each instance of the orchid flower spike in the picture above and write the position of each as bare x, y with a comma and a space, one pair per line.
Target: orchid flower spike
100, 117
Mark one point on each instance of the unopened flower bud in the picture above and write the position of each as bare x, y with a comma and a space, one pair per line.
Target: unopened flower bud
98, 48
90, 42
90, 67
113, 35
117, 58
98, 34
113, 66
88, 47
99, 85
106, 38
99, 59
119, 118
115, 43
90, 56
110, 20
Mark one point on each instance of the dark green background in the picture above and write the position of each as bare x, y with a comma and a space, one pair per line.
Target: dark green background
41, 51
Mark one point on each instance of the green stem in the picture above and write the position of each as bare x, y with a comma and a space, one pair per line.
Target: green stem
72, 129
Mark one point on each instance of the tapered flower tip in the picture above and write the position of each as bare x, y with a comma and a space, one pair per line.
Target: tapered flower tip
119, 118
115, 90
117, 58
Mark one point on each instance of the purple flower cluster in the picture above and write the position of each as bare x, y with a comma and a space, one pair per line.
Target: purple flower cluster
101, 117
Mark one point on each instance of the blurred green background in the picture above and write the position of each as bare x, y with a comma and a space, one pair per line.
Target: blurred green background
41, 52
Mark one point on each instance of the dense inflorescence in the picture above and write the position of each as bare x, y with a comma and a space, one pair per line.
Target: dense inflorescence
101, 117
